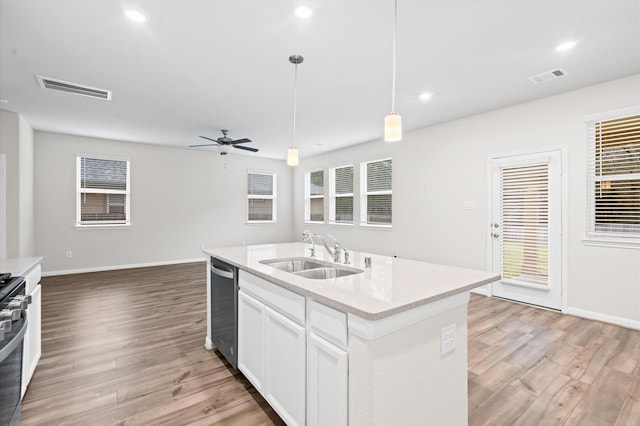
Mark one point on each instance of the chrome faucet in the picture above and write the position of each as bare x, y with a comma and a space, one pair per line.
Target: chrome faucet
336, 248
308, 236
335, 253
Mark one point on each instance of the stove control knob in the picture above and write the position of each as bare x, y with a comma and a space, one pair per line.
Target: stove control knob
10, 314
24, 299
18, 304
5, 326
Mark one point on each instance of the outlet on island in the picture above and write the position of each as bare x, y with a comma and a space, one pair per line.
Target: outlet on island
68, 254
448, 339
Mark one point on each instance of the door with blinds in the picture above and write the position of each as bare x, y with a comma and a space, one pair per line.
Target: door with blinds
526, 227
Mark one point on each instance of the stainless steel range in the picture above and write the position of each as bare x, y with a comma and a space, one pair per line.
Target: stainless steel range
13, 325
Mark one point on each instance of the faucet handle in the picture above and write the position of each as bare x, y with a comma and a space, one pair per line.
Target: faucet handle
346, 255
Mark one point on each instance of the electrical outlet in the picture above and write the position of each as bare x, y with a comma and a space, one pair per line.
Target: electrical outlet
448, 339
69, 254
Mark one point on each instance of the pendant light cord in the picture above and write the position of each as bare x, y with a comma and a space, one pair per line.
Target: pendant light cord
393, 78
295, 98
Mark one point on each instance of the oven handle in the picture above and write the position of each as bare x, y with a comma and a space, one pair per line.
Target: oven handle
221, 272
17, 339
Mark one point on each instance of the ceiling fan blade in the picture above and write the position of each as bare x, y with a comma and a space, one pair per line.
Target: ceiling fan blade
206, 144
244, 140
212, 140
246, 148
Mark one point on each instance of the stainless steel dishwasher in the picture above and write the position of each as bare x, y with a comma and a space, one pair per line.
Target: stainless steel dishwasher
224, 309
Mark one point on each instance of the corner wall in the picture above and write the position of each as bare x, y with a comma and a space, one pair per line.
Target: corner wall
437, 169
180, 199
16, 141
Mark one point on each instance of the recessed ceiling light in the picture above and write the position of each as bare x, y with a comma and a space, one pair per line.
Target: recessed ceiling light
567, 45
135, 15
303, 12
317, 145
425, 96
4, 101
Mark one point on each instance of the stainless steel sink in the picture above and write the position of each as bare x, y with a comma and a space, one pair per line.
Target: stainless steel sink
312, 269
293, 264
327, 273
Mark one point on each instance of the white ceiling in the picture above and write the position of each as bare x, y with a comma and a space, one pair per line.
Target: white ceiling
199, 66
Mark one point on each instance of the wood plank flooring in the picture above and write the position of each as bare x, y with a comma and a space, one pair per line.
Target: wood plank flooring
127, 348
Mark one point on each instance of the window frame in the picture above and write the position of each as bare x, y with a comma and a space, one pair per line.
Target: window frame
593, 236
105, 224
272, 197
333, 195
364, 193
308, 196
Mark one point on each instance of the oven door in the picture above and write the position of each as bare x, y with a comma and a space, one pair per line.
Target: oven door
11, 372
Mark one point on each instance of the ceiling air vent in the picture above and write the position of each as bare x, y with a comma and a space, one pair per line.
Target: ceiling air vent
548, 76
78, 89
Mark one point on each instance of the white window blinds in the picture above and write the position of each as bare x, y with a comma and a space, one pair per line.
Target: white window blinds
102, 191
524, 210
376, 199
613, 176
261, 196
314, 196
341, 194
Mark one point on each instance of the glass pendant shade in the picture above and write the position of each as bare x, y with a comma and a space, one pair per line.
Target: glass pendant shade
292, 156
393, 127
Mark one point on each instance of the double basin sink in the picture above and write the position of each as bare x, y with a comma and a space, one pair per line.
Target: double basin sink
311, 268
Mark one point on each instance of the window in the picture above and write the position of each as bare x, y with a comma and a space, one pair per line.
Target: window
102, 191
613, 177
261, 194
341, 194
376, 198
314, 196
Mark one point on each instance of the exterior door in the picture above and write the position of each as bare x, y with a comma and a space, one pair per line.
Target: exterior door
526, 227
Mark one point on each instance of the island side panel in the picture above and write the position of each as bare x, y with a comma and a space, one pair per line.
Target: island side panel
402, 378
208, 341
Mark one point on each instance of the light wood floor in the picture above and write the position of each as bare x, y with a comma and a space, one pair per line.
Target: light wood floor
126, 347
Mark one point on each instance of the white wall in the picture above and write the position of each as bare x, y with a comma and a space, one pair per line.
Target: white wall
436, 169
180, 198
16, 141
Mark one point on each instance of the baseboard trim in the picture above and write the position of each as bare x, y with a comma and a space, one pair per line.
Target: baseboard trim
624, 322
116, 267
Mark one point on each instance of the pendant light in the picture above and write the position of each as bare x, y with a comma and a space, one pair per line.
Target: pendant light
292, 152
393, 121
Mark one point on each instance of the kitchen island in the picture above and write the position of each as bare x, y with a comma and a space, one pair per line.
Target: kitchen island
384, 345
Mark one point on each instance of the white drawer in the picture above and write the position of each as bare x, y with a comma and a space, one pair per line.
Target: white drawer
328, 323
278, 298
33, 278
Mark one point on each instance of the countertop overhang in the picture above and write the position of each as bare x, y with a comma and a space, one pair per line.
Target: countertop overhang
388, 287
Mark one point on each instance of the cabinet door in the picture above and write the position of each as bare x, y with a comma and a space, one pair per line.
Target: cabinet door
32, 339
285, 363
251, 339
327, 382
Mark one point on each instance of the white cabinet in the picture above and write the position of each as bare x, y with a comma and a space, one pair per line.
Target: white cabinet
327, 366
327, 376
272, 345
251, 339
285, 367
31, 349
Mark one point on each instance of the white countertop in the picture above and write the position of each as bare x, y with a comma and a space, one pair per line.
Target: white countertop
388, 287
19, 265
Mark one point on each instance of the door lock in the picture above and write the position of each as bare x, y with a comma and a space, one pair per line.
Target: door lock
496, 225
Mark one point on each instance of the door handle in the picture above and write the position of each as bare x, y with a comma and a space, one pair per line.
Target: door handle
495, 235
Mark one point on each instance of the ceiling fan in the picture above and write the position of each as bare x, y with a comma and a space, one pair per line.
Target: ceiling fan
226, 143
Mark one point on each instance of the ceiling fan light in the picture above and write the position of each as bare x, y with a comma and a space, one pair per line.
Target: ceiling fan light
292, 156
393, 127
224, 149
